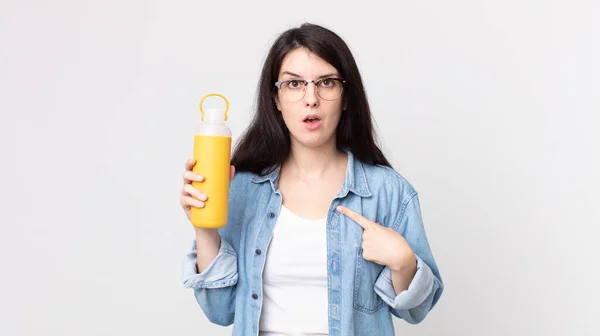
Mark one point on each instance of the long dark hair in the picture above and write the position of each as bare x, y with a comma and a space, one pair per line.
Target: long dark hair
266, 142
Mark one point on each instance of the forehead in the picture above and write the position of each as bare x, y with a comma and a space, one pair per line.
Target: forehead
306, 64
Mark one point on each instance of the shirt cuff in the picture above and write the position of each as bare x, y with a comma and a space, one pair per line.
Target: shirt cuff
221, 272
418, 290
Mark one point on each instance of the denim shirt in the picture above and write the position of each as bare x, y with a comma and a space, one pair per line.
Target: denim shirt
361, 297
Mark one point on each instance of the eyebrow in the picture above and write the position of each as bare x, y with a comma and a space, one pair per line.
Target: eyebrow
331, 74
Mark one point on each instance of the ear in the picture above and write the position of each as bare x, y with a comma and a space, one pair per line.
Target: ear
276, 100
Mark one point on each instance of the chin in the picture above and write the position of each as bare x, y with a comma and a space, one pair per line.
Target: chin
313, 142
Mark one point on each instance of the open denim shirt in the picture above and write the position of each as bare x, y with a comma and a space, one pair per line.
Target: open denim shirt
361, 296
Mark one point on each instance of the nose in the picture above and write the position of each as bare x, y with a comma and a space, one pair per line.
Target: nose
310, 96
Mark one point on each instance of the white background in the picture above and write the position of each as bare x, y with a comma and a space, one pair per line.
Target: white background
489, 108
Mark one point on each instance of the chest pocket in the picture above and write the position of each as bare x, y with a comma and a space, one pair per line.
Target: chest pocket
365, 298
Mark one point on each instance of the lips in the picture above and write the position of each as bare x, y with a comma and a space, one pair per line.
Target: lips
311, 118
312, 122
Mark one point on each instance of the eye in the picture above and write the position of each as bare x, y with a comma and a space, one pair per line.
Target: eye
294, 84
328, 82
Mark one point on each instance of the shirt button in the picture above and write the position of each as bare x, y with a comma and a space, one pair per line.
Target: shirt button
272, 215
258, 251
254, 296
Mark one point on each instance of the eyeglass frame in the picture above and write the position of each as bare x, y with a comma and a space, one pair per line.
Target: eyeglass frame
314, 81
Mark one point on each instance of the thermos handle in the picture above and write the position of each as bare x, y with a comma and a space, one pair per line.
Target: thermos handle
215, 95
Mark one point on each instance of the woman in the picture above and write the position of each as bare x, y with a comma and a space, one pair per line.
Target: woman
323, 236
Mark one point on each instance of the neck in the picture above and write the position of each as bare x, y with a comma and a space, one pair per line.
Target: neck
309, 163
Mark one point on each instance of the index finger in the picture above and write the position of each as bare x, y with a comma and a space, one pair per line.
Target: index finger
355, 216
189, 164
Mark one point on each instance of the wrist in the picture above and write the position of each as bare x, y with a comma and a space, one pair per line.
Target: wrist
407, 264
203, 234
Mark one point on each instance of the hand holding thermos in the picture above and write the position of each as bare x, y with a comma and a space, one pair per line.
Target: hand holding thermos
205, 193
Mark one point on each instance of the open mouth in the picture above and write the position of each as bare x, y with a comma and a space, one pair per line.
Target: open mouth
311, 119
312, 122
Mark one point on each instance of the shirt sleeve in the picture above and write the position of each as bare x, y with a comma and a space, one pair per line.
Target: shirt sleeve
418, 290
426, 287
221, 272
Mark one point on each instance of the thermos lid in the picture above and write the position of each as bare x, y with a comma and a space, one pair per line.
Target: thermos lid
214, 115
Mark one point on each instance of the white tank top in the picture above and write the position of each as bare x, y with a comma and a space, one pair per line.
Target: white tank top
295, 278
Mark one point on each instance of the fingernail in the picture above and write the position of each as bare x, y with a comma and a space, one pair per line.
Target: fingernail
203, 197
200, 204
339, 208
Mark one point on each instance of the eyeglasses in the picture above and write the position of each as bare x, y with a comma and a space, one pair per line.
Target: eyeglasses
294, 89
